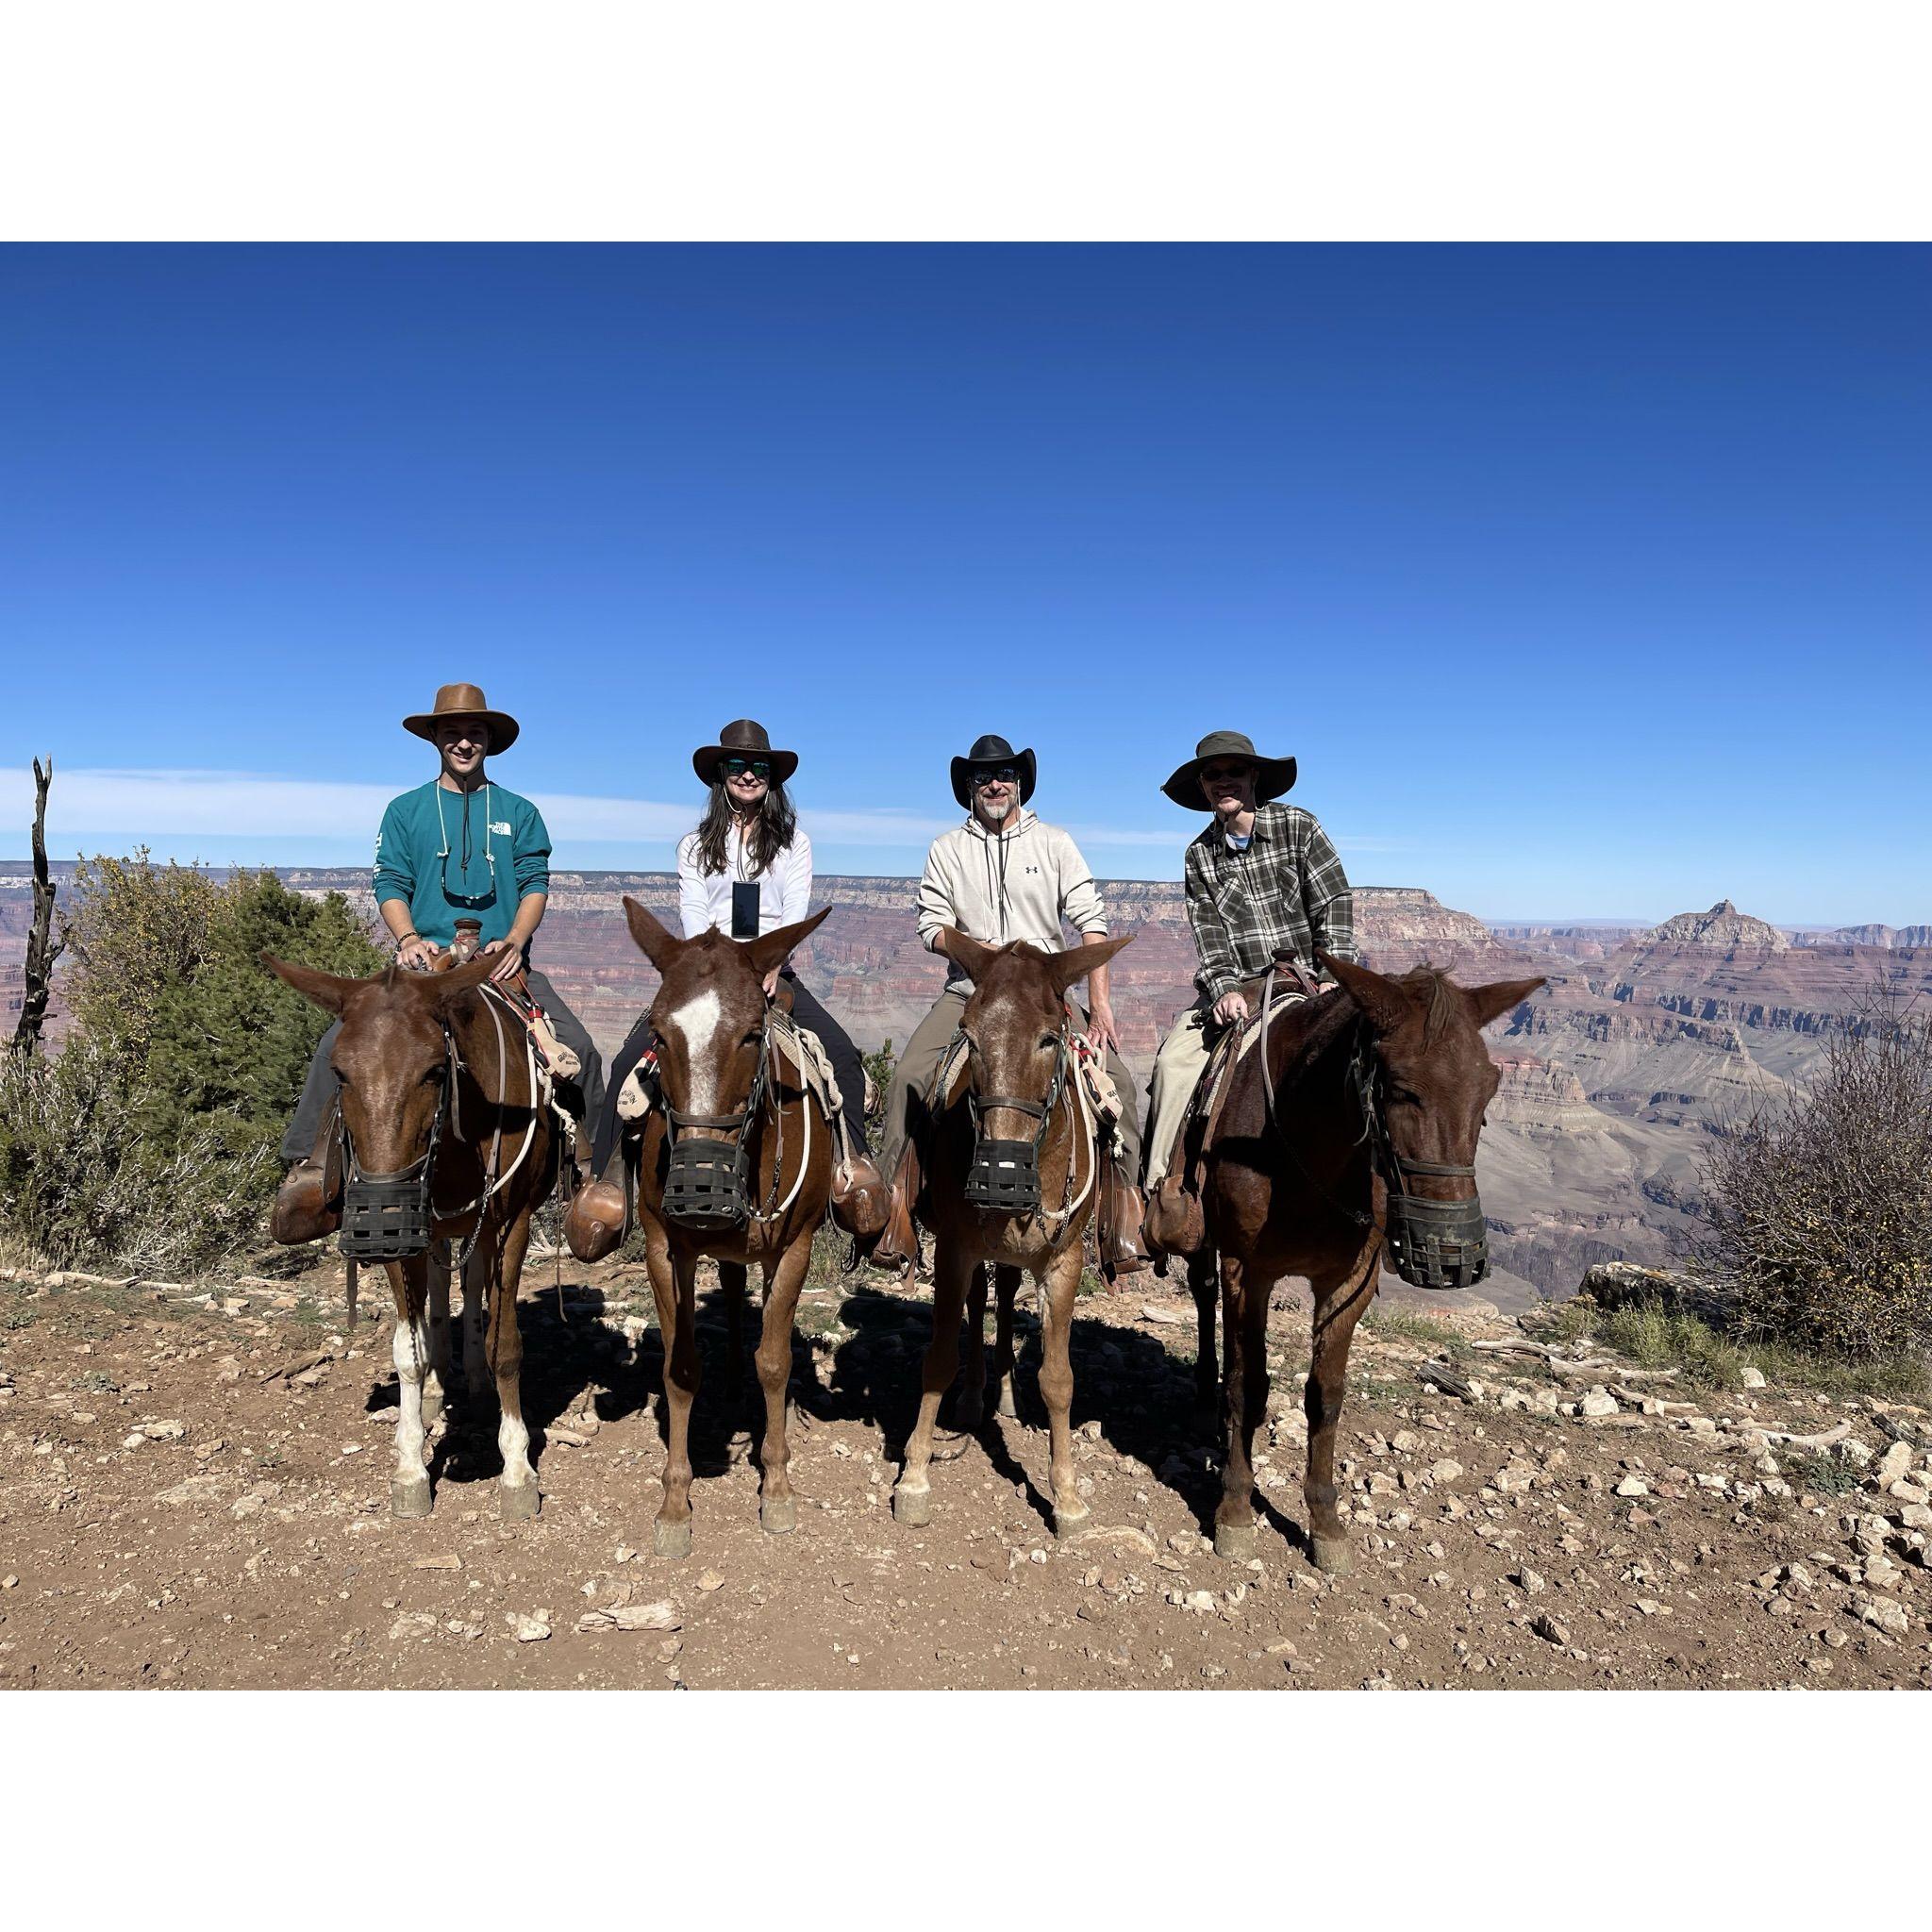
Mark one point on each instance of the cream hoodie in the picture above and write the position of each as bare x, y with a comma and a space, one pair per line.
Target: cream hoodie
1018, 886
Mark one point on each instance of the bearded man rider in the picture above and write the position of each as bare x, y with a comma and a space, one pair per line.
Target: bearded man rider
1003, 875
459, 847
1261, 877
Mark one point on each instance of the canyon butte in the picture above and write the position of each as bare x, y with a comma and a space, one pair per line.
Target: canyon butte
1614, 1073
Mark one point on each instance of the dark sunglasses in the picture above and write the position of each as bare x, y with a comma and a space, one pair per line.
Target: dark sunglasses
737, 768
991, 775
1215, 773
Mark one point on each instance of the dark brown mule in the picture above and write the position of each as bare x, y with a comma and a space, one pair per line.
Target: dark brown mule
449, 1134
1011, 1171
735, 1161
1387, 1079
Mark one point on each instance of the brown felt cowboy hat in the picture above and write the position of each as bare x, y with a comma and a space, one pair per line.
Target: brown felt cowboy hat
1272, 777
993, 751
464, 701
743, 738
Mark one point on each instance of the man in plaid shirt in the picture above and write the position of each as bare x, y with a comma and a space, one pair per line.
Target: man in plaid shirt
1261, 876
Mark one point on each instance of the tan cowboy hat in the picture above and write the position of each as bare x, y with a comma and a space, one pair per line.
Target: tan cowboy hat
1272, 777
464, 701
743, 738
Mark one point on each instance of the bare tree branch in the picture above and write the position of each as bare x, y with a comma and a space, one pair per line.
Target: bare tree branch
43, 948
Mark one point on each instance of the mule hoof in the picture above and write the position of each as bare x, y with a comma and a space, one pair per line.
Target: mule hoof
1333, 1554
913, 1508
779, 1515
671, 1538
1009, 1408
1234, 1542
1068, 1523
516, 1502
410, 1499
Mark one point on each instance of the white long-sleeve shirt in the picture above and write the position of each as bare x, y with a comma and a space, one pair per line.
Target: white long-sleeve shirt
784, 888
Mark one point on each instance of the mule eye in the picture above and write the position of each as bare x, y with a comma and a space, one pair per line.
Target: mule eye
753, 1038
1049, 1041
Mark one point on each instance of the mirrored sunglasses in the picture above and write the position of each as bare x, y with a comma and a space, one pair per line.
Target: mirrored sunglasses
991, 775
737, 768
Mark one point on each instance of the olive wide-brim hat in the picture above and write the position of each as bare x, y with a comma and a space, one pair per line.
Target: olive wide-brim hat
743, 738
1272, 777
464, 701
990, 750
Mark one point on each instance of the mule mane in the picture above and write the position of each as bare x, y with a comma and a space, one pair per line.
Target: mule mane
1442, 992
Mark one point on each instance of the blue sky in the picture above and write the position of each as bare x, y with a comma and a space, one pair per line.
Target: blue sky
1582, 581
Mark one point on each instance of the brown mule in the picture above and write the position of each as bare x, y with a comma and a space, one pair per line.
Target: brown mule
735, 1161
449, 1139
1354, 1123
1022, 1201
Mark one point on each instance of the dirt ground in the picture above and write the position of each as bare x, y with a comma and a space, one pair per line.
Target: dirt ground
194, 1492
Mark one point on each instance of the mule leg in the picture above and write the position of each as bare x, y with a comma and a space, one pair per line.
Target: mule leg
1058, 1288
912, 1497
475, 1334
1204, 1286
516, 1496
409, 1493
971, 1408
673, 1284
1005, 1284
437, 1376
732, 1279
777, 1506
1338, 1305
1244, 1337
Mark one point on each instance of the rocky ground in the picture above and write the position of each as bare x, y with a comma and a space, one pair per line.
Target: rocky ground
194, 1492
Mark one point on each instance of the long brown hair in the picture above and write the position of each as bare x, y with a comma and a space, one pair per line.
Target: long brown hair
771, 833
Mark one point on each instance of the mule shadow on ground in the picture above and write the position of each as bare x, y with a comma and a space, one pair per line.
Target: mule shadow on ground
1139, 1389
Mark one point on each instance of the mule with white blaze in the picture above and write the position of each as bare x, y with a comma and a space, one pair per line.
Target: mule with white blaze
447, 1134
736, 1162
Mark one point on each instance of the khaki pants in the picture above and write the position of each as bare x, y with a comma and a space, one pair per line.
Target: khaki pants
1176, 1068
917, 1064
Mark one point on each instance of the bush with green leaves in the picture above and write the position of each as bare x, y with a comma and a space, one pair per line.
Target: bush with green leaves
150, 1140
1819, 1207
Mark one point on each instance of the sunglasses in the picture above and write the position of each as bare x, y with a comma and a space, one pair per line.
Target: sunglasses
991, 775
1215, 774
737, 768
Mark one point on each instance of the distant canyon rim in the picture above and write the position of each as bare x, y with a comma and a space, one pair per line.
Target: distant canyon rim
1614, 1073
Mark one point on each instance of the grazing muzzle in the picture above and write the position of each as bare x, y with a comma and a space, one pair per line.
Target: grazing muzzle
1005, 1175
1437, 1243
386, 1217
704, 1183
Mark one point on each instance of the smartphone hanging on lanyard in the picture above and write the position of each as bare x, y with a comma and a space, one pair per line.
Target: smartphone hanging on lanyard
744, 910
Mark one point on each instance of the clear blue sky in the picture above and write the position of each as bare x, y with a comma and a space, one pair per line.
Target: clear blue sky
1581, 580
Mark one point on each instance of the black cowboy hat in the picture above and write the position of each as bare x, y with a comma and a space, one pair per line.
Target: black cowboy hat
743, 738
464, 701
993, 751
1272, 777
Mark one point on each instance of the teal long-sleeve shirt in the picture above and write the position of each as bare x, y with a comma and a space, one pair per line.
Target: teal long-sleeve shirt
435, 851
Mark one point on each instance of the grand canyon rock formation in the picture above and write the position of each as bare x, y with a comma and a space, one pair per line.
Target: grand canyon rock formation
1612, 1073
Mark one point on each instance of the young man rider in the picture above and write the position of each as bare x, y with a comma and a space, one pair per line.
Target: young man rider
459, 847
1003, 875
1260, 875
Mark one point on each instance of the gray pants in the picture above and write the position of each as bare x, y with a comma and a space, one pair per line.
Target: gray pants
581, 1097
920, 1060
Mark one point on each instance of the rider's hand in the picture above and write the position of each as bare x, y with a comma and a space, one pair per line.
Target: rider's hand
416, 953
770, 982
1230, 1008
1101, 1029
510, 964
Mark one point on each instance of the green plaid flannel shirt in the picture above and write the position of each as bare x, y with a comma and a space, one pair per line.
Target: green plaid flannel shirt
1287, 889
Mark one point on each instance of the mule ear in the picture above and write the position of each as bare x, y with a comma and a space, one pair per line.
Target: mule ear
444, 987
1487, 1003
974, 956
1386, 1004
324, 988
1076, 962
774, 947
656, 941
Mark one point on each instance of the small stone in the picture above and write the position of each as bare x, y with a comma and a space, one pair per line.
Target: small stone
163, 1432
1633, 1485
1749, 1378
1894, 1465
137, 1440
528, 1630
450, 1561
1532, 1585
1546, 1626
1883, 1614
710, 1580
1446, 1471
1852, 1451
1598, 1401
9, 1582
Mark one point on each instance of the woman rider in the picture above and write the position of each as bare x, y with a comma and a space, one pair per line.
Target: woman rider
745, 870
